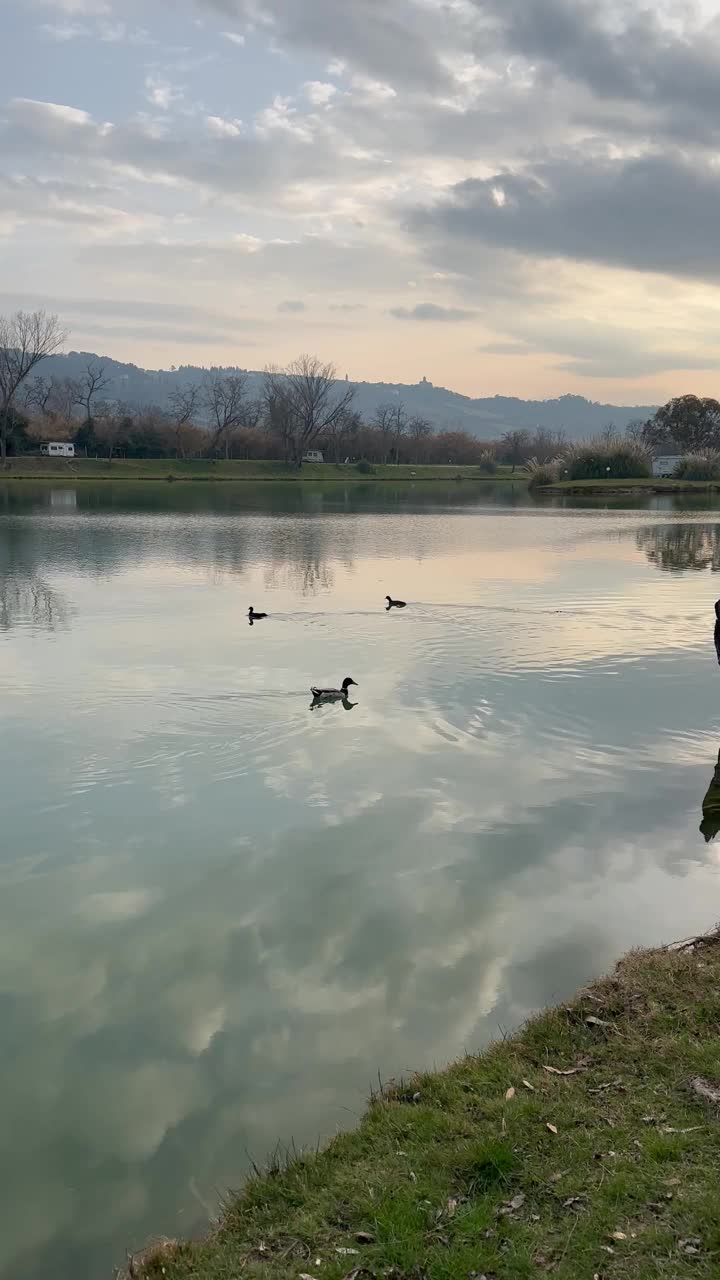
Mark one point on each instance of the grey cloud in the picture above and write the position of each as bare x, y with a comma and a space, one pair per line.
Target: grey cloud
618, 52
430, 311
347, 306
292, 305
636, 364
31, 199
177, 334
181, 321
245, 167
593, 350
398, 42
296, 265
656, 213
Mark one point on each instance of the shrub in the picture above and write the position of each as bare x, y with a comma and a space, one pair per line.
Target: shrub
600, 460
699, 466
365, 468
487, 464
541, 474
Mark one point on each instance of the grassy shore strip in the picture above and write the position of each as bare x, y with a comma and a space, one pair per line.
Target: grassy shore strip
172, 469
648, 484
588, 1145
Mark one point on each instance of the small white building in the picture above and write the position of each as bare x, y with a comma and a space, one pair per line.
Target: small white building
664, 468
57, 449
312, 455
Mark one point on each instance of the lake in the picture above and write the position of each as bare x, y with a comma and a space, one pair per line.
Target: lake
224, 913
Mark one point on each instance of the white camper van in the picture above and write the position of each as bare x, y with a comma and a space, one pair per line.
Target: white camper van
57, 449
312, 455
664, 468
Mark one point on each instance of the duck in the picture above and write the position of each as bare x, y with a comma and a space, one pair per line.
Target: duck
255, 617
333, 695
395, 604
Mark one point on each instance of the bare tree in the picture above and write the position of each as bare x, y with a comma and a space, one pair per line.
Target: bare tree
515, 446
419, 431
92, 384
390, 420
26, 338
303, 402
184, 405
342, 432
546, 445
224, 396
65, 395
634, 431
34, 394
112, 426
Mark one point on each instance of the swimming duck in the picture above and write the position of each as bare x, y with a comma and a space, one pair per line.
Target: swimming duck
255, 617
395, 604
333, 695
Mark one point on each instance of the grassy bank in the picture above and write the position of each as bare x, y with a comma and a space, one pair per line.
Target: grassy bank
588, 1145
200, 469
643, 485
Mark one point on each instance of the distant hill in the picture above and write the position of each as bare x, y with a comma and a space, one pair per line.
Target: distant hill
485, 418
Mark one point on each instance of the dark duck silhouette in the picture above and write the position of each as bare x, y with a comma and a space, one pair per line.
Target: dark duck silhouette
255, 617
396, 604
333, 695
717, 629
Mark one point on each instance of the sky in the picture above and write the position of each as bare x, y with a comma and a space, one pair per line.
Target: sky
518, 197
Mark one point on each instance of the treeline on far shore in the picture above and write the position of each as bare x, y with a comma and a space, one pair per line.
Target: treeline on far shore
305, 407
302, 407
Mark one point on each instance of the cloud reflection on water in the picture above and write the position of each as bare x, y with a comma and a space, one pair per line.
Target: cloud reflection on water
221, 916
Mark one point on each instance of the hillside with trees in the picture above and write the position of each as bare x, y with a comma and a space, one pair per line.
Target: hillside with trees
486, 418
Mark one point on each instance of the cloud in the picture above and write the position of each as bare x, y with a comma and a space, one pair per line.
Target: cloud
292, 305
90, 7
319, 93
399, 41
107, 32
347, 306
627, 53
64, 31
70, 204
224, 128
511, 158
430, 311
653, 213
160, 93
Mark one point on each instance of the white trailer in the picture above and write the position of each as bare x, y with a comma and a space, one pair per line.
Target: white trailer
57, 449
664, 468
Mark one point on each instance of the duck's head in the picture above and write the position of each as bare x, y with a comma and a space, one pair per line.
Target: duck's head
347, 682
717, 610
251, 610
389, 599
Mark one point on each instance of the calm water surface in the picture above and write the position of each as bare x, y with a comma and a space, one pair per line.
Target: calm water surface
221, 914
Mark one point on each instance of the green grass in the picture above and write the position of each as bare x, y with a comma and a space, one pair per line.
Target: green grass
651, 483
32, 468
452, 1176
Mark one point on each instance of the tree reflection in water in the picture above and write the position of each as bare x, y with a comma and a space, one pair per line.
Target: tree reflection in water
30, 603
677, 547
